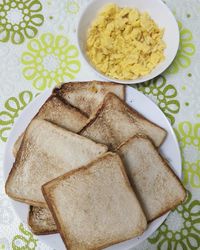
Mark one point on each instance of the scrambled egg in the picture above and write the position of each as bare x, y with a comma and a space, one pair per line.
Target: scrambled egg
124, 43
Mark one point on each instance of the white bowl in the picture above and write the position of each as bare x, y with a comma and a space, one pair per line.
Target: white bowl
158, 11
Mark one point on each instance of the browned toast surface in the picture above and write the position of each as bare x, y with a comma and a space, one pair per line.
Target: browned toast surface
116, 122
103, 208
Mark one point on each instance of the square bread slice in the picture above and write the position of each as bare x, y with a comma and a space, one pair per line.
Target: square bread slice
88, 96
47, 151
59, 112
95, 206
157, 187
41, 221
116, 122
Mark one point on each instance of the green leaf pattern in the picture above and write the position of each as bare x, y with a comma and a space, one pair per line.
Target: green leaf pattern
19, 20
185, 234
189, 137
186, 50
12, 107
49, 61
24, 241
48, 57
72, 7
164, 94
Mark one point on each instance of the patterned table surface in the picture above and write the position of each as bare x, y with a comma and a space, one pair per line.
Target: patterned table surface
33, 36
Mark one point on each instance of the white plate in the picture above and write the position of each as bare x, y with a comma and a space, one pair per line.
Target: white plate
141, 103
158, 11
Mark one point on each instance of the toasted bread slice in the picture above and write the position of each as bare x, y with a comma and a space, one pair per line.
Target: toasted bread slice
41, 221
63, 114
157, 187
59, 112
47, 151
116, 122
95, 206
88, 96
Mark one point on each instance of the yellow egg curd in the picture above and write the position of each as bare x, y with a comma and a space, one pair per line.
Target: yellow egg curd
123, 43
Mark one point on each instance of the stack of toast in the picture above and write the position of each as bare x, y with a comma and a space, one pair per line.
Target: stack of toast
89, 167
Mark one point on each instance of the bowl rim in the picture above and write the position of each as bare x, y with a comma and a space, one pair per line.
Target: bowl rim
140, 79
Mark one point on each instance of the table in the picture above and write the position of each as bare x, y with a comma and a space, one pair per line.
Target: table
48, 26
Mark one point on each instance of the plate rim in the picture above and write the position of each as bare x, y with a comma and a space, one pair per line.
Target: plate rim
42, 98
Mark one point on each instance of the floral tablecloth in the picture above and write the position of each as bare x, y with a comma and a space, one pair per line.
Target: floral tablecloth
38, 49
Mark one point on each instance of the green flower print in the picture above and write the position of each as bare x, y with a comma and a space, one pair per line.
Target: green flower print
163, 94
19, 19
189, 137
25, 241
72, 7
185, 51
13, 106
181, 230
49, 61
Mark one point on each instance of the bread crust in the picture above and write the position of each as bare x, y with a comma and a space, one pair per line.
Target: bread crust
72, 86
13, 169
69, 86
